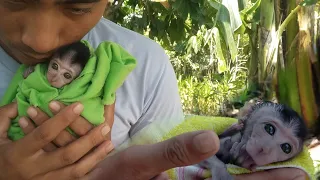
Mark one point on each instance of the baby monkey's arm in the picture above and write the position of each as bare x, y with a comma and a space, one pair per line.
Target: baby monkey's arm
233, 129
28, 71
217, 168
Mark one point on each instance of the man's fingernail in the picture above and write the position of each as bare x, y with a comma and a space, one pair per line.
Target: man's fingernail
23, 122
78, 109
105, 130
204, 142
32, 112
55, 106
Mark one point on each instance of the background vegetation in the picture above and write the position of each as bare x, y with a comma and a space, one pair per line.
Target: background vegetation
209, 74
226, 52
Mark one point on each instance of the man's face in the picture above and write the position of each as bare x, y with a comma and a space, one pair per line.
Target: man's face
31, 30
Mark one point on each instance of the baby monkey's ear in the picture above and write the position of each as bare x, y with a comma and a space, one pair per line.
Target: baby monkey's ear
247, 109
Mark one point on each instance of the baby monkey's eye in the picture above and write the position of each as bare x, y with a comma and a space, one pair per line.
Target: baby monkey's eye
270, 129
286, 148
54, 66
67, 75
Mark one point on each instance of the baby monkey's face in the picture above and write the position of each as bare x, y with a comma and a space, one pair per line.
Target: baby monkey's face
62, 72
272, 140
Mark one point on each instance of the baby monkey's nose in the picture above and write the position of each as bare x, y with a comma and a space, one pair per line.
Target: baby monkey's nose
264, 150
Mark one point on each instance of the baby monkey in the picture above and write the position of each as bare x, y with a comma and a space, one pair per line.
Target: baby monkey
65, 65
268, 133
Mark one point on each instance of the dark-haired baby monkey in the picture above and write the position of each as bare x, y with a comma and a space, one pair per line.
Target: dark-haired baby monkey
268, 133
65, 65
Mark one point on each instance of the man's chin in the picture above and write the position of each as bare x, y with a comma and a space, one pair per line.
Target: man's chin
30, 59
27, 60
33, 61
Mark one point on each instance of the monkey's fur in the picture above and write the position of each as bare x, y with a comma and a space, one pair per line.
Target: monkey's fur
268, 133
65, 65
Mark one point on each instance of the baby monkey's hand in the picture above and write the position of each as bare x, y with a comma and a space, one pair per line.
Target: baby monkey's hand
233, 129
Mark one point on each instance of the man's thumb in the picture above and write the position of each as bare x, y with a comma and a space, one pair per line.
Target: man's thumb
148, 161
183, 150
187, 149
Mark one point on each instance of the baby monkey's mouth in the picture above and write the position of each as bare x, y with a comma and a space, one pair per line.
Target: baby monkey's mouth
249, 162
246, 161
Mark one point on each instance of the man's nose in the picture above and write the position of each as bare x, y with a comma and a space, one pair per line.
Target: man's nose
41, 33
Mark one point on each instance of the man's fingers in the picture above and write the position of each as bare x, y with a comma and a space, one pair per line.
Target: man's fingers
27, 127
87, 163
80, 126
147, 161
109, 114
74, 151
67, 174
7, 112
64, 138
183, 150
37, 116
79, 169
49, 130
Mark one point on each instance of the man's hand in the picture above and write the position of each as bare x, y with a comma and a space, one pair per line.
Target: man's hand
147, 161
25, 159
80, 126
136, 162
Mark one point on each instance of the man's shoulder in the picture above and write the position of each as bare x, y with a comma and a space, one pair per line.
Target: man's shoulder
150, 90
136, 44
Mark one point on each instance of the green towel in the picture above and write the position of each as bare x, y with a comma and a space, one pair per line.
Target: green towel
95, 87
160, 131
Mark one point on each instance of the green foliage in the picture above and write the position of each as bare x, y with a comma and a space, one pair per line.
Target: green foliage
308, 2
207, 97
187, 27
209, 94
199, 37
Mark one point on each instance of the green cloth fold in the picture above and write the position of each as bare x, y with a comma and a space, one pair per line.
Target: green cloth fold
95, 87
